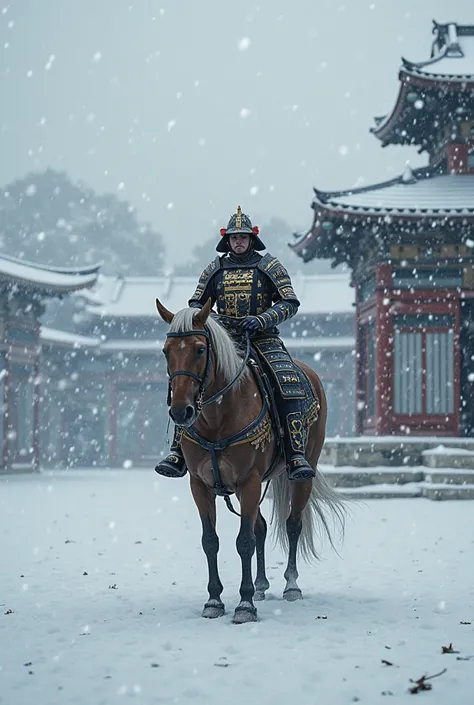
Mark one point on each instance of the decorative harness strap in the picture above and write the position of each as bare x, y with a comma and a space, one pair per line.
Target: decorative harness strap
200, 401
215, 446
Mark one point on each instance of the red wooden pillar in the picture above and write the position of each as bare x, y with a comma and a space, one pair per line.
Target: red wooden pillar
112, 435
6, 385
383, 351
7, 428
359, 393
457, 364
36, 410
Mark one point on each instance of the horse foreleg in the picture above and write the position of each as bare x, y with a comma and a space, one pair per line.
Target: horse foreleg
206, 503
300, 494
249, 496
261, 582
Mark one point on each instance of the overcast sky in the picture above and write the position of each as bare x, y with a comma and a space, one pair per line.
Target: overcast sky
190, 107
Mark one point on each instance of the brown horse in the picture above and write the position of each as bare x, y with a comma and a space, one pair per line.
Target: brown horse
203, 360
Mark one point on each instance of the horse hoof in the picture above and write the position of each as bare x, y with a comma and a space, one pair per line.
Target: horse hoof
292, 595
213, 609
259, 595
245, 613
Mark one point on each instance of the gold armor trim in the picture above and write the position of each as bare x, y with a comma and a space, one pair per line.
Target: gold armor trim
240, 291
238, 220
260, 437
204, 279
274, 269
297, 431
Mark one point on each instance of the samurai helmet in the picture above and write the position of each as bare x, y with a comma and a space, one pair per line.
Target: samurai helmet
239, 223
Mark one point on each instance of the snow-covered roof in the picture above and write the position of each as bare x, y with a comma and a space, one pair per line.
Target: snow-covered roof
64, 338
344, 342
61, 337
132, 345
415, 192
452, 54
45, 278
133, 297
413, 119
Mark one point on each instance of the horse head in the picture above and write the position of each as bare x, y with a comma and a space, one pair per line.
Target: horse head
188, 354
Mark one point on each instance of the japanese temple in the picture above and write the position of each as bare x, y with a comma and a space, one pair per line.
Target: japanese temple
24, 289
409, 244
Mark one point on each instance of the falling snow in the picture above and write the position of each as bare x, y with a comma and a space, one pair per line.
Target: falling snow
243, 43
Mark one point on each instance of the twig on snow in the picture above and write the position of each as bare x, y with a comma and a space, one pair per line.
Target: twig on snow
448, 650
421, 683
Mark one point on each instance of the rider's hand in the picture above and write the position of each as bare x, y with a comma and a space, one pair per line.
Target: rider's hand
251, 324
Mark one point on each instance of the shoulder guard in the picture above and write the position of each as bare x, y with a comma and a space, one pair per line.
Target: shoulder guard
205, 278
277, 273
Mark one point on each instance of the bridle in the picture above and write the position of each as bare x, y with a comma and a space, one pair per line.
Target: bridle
203, 379
213, 447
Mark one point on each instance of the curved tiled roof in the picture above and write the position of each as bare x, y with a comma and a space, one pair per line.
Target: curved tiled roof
451, 64
452, 54
414, 193
46, 278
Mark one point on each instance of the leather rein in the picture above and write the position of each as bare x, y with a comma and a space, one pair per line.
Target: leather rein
202, 380
216, 446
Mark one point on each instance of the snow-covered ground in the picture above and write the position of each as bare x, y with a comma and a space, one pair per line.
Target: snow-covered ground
103, 580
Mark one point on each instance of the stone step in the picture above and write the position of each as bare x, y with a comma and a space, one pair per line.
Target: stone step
363, 477
434, 491
382, 491
440, 491
443, 457
391, 451
448, 476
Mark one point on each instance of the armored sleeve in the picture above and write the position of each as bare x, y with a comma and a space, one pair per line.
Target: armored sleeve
205, 288
286, 302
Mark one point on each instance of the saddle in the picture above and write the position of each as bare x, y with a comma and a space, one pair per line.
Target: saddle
268, 383
259, 431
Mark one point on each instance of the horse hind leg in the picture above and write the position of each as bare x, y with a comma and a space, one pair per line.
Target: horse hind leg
299, 497
261, 582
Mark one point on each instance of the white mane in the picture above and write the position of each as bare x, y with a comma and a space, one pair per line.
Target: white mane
228, 358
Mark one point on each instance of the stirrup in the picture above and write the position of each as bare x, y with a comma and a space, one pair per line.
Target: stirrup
172, 466
299, 470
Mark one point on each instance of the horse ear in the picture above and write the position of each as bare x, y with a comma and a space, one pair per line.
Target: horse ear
166, 315
201, 316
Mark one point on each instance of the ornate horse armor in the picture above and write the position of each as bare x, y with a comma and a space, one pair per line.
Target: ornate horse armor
252, 285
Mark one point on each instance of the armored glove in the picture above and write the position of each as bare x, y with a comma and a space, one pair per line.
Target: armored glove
251, 324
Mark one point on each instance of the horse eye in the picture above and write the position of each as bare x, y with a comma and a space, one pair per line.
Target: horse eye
201, 351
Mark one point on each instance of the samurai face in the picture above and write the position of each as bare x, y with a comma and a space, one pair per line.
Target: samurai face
239, 243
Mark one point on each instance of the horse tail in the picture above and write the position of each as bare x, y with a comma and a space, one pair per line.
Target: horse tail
323, 501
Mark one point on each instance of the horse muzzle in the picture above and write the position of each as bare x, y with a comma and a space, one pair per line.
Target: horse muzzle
184, 415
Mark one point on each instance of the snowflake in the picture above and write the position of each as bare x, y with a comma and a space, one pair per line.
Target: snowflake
243, 44
49, 63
